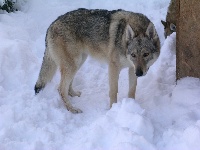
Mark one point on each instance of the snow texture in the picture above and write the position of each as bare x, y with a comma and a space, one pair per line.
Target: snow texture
165, 115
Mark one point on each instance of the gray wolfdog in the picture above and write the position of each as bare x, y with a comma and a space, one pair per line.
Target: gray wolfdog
170, 24
118, 37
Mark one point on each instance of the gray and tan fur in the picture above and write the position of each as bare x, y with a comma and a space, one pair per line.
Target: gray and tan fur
170, 23
120, 38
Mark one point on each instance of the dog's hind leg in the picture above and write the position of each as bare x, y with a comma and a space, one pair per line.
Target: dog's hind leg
67, 74
47, 71
71, 90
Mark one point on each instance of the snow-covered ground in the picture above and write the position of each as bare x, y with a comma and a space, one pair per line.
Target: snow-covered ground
164, 116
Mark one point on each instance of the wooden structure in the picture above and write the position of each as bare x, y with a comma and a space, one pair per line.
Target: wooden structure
188, 39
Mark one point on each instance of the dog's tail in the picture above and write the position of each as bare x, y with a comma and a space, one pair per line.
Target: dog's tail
47, 71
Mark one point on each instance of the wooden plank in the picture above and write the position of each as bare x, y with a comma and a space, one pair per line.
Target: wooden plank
188, 38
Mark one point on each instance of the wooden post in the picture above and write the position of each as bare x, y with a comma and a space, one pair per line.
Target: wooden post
188, 39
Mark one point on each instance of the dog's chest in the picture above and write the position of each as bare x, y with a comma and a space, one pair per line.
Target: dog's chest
124, 62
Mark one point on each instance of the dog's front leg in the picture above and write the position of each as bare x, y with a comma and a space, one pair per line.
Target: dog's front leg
113, 82
132, 83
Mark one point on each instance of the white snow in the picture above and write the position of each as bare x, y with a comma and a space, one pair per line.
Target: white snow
164, 115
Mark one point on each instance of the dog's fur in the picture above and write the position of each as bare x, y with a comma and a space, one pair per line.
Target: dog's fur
121, 38
170, 23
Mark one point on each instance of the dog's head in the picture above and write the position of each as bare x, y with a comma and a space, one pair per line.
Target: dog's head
142, 50
168, 27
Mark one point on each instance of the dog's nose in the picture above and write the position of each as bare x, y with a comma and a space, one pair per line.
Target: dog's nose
139, 72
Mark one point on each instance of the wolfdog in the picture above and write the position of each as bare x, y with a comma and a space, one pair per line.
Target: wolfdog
118, 37
170, 24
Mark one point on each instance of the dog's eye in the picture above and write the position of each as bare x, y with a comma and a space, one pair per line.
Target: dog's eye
145, 54
133, 55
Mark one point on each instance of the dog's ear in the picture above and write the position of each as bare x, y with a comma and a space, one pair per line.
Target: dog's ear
151, 32
129, 33
164, 23
172, 27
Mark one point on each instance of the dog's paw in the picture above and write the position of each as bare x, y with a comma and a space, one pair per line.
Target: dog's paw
75, 110
74, 93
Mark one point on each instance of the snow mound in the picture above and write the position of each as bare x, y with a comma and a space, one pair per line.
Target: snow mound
124, 126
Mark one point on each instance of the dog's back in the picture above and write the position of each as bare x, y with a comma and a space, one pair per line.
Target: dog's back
170, 23
84, 24
171, 13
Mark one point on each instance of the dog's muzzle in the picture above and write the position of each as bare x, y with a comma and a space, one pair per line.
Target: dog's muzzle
139, 72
